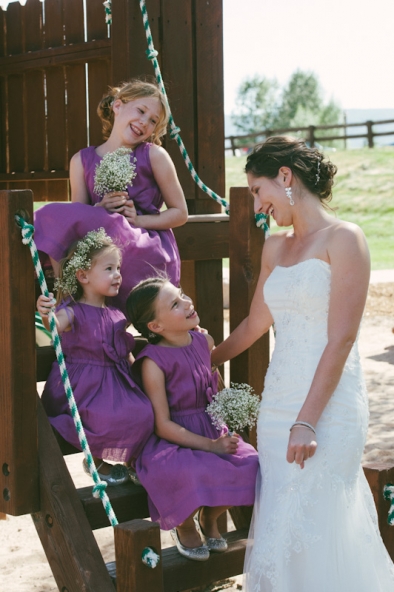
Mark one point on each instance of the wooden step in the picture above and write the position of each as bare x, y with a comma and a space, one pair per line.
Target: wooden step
181, 574
129, 501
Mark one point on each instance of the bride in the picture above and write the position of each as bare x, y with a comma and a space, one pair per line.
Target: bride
315, 524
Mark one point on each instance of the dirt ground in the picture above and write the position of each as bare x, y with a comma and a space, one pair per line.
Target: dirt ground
23, 566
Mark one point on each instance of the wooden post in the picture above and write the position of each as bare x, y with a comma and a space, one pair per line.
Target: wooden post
369, 125
232, 144
311, 135
378, 475
246, 243
132, 575
19, 493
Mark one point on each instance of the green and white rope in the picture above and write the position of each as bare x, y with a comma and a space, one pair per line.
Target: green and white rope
261, 219
100, 486
388, 492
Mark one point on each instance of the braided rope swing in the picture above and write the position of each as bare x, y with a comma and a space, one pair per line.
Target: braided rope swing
388, 492
100, 486
261, 219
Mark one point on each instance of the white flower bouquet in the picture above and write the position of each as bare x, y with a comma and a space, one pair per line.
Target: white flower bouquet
115, 171
237, 407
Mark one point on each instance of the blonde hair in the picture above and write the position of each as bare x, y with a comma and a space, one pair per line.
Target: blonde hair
129, 91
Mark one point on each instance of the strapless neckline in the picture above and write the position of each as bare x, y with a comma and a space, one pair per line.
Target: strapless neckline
312, 259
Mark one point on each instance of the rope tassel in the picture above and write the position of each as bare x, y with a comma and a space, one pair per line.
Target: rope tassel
388, 492
100, 486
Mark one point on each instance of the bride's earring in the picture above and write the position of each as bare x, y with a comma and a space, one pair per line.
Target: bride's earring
289, 195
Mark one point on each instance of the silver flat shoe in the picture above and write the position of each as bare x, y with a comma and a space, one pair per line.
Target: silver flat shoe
216, 545
118, 475
133, 477
194, 553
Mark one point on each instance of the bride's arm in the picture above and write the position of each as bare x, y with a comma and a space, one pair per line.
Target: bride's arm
259, 319
350, 270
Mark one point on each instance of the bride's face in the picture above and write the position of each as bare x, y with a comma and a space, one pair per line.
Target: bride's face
270, 198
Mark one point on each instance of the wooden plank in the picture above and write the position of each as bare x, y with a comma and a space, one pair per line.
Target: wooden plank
61, 524
3, 115
14, 27
35, 121
182, 574
58, 191
99, 73
246, 243
378, 475
81, 52
76, 109
95, 20
209, 297
177, 71
16, 123
33, 175
206, 240
56, 119
209, 93
32, 13
54, 35
130, 541
128, 500
18, 429
3, 36
73, 19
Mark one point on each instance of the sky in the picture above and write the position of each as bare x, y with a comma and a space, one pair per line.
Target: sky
349, 44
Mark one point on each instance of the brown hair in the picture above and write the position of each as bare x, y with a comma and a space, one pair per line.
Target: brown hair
307, 164
129, 91
140, 305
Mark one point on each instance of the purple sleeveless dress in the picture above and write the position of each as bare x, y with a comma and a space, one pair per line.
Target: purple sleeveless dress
179, 480
59, 225
116, 415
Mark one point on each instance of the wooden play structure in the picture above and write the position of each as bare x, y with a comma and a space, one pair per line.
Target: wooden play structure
47, 115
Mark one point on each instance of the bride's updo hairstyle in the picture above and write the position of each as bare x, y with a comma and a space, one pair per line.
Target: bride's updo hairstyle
307, 164
129, 91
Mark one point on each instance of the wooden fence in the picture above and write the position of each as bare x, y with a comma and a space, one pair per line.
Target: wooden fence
241, 141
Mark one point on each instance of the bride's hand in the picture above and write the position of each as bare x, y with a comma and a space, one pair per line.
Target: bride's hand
302, 445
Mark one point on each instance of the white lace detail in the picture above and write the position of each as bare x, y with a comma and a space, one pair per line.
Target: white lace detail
312, 527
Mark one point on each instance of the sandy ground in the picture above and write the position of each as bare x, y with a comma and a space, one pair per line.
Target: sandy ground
23, 566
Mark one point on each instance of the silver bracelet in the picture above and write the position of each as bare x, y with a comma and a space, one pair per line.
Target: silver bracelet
304, 424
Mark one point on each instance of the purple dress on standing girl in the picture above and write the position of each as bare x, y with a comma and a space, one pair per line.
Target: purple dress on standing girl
116, 415
179, 480
59, 225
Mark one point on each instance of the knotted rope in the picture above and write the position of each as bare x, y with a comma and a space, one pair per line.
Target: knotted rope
388, 492
100, 486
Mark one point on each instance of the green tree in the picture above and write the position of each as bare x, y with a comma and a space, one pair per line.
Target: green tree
257, 104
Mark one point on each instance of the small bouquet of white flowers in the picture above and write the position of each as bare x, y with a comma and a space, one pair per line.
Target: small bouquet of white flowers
237, 407
115, 172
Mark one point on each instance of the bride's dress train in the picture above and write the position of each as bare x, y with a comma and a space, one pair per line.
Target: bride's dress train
314, 529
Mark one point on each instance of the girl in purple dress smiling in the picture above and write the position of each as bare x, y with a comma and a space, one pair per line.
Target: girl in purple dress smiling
134, 116
192, 473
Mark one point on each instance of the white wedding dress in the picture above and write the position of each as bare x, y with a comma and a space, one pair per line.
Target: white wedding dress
314, 529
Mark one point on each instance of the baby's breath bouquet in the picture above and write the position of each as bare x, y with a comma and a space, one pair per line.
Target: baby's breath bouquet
237, 407
115, 172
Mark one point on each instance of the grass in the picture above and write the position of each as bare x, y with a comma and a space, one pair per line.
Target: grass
363, 194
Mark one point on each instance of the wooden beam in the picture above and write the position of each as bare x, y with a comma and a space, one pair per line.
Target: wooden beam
18, 428
246, 243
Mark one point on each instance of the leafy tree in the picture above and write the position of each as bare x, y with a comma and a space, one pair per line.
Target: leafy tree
257, 104
261, 105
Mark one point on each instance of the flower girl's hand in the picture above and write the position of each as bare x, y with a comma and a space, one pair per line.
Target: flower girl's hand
45, 304
129, 212
302, 445
225, 444
114, 201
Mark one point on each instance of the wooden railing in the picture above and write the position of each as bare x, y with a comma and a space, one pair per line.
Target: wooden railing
241, 141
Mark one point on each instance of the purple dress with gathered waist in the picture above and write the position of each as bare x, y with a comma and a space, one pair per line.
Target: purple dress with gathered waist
179, 480
59, 225
116, 415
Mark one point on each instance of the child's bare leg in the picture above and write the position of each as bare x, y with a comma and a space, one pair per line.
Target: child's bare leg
187, 533
208, 520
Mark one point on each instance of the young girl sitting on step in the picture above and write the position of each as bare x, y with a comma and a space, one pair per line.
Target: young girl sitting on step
191, 472
116, 415
135, 116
